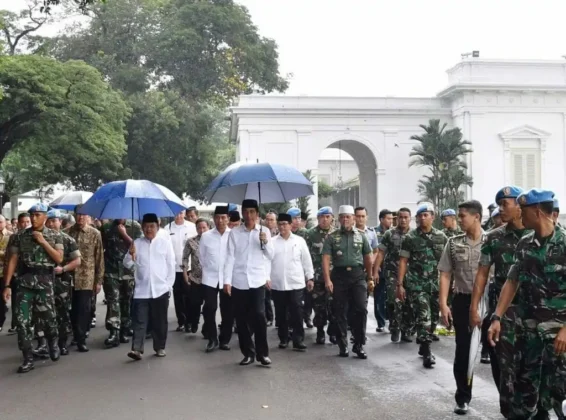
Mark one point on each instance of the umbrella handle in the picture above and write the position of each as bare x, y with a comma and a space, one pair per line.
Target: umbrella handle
262, 246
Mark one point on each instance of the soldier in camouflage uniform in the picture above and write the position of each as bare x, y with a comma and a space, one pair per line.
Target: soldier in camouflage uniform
38, 250
315, 238
450, 224
496, 219
488, 225
498, 251
297, 229
380, 291
389, 247
118, 280
538, 270
421, 250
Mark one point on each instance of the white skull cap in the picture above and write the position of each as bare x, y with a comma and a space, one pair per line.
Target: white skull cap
346, 210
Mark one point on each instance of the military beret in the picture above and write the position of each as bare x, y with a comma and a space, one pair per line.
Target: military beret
39, 208
448, 212
535, 196
324, 210
346, 209
150, 218
506, 192
556, 204
294, 212
495, 212
232, 207
249, 204
53, 214
284, 217
424, 208
221, 210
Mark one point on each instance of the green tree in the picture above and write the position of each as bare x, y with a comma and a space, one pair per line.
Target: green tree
277, 208
59, 121
442, 152
324, 190
303, 202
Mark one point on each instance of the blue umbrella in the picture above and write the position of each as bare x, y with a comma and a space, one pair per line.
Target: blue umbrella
264, 182
70, 200
132, 199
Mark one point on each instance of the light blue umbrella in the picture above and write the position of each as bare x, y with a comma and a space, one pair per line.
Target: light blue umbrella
70, 200
131, 199
264, 182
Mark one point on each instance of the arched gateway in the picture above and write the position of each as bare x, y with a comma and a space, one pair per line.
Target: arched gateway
513, 112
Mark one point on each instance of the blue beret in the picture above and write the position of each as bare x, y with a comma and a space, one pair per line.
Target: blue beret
425, 207
556, 204
448, 212
508, 192
535, 196
294, 212
53, 214
324, 210
39, 208
495, 212
232, 207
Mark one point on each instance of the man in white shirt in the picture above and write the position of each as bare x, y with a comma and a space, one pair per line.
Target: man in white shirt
180, 231
212, 251
245, 278
291, 267
153, 260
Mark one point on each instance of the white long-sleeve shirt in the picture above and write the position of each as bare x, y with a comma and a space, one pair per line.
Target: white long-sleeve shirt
246, 264
212, 256
291, 265
179, 235
154, 267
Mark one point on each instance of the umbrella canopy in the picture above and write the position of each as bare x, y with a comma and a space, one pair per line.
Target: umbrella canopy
476, 337
264, 182
70, 200
131, 199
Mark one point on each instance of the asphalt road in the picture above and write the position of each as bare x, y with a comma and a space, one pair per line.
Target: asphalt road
190, 384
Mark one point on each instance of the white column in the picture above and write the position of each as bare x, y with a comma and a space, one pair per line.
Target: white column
313, 200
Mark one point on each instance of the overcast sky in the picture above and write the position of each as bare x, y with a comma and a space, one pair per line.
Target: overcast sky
397, 47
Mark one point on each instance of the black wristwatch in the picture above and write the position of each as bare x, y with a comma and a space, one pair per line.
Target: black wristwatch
495, 317
8, 286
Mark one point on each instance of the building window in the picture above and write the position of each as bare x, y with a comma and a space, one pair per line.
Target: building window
526, 168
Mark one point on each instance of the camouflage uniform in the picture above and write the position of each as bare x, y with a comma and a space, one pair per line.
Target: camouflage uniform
499, 250
423, 251
400, 315
63, 289
35, 296
452, 232
315, 238
539, 269
118, 281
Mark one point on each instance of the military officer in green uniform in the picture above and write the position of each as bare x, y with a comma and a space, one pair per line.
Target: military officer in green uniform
538, 269
118, 280
489, 223
421, 250
450, 223
38, 251
347, 250
315, 240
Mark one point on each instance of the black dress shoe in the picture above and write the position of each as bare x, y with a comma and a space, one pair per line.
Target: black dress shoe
124, 337
211, 346
359, 350
82, 347
264, 360
344, 353
299, 346
461, 409
180, 328
283, 344
224, 347
64, 350
248, 360
54, 351
194, 329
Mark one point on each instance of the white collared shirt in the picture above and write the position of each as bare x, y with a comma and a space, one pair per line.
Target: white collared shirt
291, 265
154, 268
246, 264
179, 235
212, 255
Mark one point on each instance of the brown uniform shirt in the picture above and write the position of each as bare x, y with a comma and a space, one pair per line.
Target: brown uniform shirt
91, 270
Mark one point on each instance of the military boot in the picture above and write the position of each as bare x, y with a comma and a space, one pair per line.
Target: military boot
124, 337
428, 357
27, 365
113, 339
63, 346
41, 351
406, 338
54, 352
359, 350
395, 335
320, 337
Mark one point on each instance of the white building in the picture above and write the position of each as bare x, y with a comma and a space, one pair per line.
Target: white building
513, 112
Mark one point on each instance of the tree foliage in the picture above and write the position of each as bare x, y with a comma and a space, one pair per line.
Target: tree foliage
324, 190
59, 121
18, 30
442, 151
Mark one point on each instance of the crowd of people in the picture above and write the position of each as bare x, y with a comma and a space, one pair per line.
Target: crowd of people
241, 263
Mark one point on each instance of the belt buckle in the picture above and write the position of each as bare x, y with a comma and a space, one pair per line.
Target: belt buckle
348, 268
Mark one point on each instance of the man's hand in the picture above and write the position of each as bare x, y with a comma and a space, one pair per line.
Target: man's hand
263, 237
371, 286
446, 314
329, 286
268, 284
186, 278
7, 294
133, 251
310, 285
58, 270
97, 289
475, 320
493, 333
400, 293
228, 289
39, 238
560, 341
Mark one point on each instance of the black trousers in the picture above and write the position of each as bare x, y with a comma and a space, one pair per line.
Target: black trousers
93, 306
3, 306
81, 315
226, 313
268, 307
140, 317
350, 294
307, 305
14, 285
492, 351
196, 299
249, 310
461, 315
291, 302
181, 300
